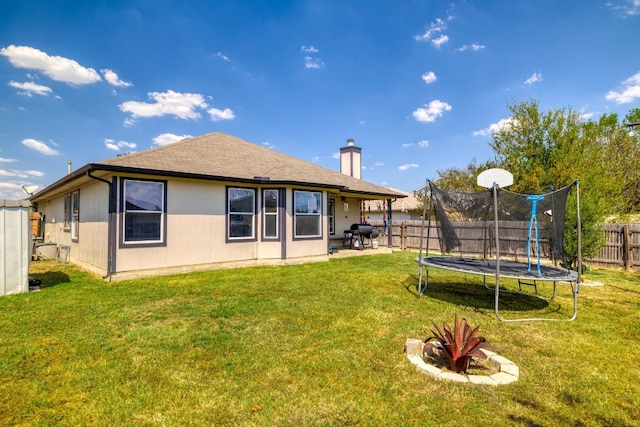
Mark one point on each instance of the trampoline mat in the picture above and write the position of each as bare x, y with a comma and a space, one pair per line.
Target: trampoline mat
508, 269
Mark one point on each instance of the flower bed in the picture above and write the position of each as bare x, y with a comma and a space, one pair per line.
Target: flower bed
507, 371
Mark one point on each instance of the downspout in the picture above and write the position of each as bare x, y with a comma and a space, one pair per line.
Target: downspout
110, 222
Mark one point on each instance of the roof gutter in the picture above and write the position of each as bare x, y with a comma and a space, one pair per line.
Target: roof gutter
110, 223
255, 180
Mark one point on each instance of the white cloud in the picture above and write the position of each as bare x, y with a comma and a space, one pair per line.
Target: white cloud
112, 78
502, 124
422, 144
335, 155
473, 46
3, 160
436, 27
585, 114
434, 33
408, 166
217, 115
311, 62
11, 191
222, 56
12, 173
40, 147
20, 174
432, 111
111, 145
116, 146
169, 138
29, 88
269, 145
429, 77
440, 40
535, 78
55, 67
378, 164
626, 7
181, 105
629, 92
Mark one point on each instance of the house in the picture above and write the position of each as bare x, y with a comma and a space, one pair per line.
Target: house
205, 202
408, 208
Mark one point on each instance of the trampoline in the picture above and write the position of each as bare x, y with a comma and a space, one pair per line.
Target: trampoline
501, 234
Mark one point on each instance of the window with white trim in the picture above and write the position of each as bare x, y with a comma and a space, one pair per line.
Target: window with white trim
75, 215
143, 211
66, 226
241, 213
307, 214
332, 216
270, 216
72, 214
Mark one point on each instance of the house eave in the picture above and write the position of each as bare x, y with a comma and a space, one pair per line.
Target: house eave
95, 167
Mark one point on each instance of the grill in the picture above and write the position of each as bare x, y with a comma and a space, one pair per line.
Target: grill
359, 232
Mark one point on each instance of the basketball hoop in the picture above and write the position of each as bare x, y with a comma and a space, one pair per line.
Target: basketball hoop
496, 176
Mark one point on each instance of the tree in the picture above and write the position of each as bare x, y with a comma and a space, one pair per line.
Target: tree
463, 179
554, 148
551, 149
628, 161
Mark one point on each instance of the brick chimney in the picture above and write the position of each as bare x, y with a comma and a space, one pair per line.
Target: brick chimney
351, 160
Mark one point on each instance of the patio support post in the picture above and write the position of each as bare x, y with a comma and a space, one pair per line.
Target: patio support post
389, 229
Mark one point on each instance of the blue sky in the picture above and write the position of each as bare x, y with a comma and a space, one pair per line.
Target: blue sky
417, 83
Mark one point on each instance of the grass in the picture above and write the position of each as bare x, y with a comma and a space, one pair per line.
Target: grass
316, 344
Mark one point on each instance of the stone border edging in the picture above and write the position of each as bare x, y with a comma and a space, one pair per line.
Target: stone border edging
508, 371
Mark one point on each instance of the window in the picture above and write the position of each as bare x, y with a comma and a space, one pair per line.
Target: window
144, 211
75, 215
67, 212
308, 213
241, 213
270, 213
72, 214
332, 216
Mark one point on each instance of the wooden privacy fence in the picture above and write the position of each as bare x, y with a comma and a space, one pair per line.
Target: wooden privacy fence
621, 250
622, 247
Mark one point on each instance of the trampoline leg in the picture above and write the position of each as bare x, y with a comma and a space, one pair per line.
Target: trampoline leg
575, 290
421, 288
533, 283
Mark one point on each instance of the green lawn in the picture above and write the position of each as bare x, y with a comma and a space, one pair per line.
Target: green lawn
315, 344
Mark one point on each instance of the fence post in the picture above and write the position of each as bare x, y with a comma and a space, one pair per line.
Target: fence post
403, 234
626, 246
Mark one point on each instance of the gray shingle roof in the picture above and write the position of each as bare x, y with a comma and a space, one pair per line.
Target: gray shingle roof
218, 155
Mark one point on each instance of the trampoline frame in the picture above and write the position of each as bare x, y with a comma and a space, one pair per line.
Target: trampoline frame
464, 265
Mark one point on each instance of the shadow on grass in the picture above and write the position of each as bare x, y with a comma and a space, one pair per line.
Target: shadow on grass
475, 295
51, 278
624, 289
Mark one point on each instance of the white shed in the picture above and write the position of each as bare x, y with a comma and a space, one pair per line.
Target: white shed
15, 246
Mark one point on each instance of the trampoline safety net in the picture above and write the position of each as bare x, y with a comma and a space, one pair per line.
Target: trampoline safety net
530, 226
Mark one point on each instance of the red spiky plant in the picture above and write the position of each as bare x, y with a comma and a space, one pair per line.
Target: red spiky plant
459, 346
